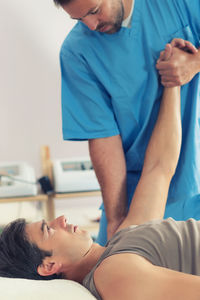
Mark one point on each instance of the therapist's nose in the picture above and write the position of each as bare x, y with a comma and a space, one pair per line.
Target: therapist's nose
91, 21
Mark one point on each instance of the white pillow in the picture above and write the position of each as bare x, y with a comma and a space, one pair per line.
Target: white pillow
58, 289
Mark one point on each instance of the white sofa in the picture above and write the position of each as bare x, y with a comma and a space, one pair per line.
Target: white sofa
58, 289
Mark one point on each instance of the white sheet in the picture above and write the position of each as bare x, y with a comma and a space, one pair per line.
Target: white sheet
59, 289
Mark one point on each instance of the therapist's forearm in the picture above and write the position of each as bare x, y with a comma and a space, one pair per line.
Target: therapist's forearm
108, 159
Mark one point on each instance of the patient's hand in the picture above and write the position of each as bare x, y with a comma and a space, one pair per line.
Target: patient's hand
178, 63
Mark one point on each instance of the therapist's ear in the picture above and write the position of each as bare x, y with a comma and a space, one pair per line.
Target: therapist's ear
48, 268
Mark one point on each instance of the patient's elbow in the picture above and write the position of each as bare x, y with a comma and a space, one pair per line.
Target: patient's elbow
168, 169
164, 168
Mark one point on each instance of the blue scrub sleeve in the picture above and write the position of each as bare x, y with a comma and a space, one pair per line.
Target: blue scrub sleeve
86, 106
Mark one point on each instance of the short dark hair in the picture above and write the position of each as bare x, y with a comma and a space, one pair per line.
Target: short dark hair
19, 258
61, 2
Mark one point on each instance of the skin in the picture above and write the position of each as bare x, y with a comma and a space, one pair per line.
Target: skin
139, 279
113, 181
181, 67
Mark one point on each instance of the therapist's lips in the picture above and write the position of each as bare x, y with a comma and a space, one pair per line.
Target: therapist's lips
104, 28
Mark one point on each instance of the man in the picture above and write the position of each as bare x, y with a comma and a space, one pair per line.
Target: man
111, 92
147, 255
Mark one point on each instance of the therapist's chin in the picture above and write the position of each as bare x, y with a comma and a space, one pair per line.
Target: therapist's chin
112, 31
108, 29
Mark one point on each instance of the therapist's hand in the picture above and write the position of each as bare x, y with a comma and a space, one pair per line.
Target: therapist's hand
178, 43
181, 66
184, 45
113, 226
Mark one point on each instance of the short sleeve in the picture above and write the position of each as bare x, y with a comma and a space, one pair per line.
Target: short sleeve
86, 106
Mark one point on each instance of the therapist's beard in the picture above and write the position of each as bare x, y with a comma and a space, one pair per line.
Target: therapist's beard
116, 24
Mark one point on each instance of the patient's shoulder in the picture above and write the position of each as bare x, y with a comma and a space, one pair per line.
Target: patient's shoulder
106, 277
118, 273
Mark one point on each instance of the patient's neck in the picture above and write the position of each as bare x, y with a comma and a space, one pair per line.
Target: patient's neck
85, 265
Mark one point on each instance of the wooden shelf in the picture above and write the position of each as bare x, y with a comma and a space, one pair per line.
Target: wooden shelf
77, 194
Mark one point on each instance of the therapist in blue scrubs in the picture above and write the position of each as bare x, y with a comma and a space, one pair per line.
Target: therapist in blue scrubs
111, 94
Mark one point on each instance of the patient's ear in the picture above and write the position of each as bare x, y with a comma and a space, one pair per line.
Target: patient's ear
49, 267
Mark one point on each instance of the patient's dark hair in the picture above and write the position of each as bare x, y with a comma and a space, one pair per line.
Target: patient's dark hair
62, 2
19, 258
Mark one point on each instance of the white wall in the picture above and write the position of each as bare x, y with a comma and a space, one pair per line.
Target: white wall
31, 33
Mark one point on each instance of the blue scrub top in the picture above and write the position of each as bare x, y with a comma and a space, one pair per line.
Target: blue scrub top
110, 86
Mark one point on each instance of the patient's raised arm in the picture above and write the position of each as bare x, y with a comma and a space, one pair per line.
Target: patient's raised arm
160, 162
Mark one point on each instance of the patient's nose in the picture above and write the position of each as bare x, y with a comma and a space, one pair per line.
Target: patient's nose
60, 221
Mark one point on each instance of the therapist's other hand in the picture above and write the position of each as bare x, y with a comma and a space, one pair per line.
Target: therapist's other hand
178, 43
179, 68
184, 45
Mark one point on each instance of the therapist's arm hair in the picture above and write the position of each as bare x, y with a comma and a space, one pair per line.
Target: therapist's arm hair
108, 159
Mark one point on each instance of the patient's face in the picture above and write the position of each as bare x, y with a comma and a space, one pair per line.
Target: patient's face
67, 242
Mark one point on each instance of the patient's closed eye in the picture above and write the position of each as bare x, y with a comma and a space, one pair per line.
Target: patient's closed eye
50, 230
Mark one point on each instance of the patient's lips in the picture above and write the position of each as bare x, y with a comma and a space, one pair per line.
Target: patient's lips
70, 227
77, 229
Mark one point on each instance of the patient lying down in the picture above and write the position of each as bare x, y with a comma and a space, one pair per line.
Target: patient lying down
147, 258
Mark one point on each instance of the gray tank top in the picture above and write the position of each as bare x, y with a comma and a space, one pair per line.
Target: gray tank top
166, 243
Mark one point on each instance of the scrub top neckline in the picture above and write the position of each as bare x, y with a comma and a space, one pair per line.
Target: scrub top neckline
135, 21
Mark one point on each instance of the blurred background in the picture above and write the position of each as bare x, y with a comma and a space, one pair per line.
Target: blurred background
31, 34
